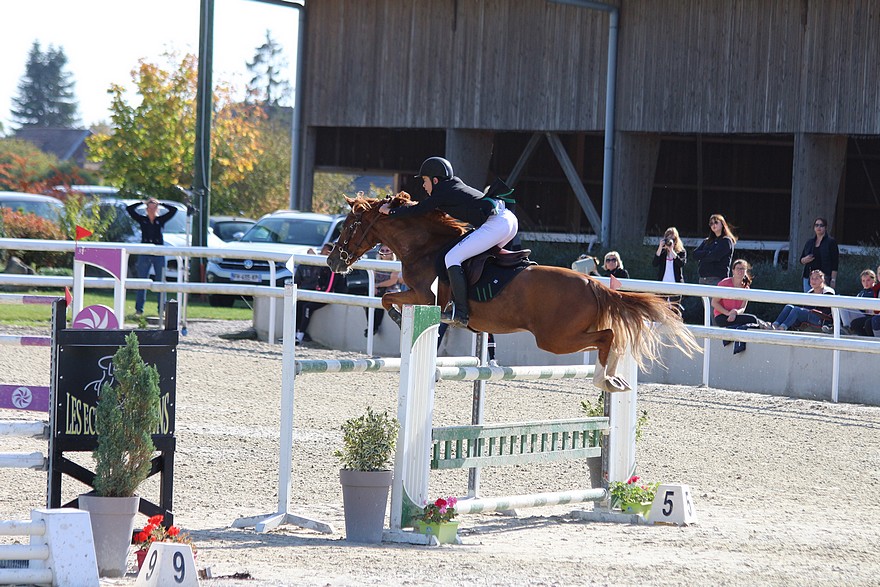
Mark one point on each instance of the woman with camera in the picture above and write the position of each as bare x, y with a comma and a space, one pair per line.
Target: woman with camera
715, 252
669, 261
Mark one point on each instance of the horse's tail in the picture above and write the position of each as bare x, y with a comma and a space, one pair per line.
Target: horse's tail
625, 313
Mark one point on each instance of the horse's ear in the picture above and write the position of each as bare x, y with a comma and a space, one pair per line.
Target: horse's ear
349, 201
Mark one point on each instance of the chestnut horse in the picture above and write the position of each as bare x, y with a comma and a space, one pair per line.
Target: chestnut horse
566, 311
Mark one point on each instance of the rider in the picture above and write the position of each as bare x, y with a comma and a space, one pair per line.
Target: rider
494, 224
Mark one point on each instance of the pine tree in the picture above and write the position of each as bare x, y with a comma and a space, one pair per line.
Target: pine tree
267, 87
46, 97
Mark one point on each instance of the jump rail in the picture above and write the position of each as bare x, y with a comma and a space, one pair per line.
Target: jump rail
61, 550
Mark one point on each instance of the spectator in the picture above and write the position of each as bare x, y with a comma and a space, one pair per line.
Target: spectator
317, 279
731, 313
715, 252
614, 266
386, 282
793, 316
151, 233
820, 252
859, 322
670, 260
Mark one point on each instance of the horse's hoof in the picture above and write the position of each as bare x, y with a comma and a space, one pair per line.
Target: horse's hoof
616, 383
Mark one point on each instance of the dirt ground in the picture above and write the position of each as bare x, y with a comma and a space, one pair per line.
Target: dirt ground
786, 491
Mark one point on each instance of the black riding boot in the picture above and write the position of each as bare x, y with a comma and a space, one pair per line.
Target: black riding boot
458, 316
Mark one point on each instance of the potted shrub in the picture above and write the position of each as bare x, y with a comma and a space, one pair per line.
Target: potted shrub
597, 410
127, 414
367, 448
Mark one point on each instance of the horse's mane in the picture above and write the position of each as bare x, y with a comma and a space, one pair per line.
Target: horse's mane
435, 218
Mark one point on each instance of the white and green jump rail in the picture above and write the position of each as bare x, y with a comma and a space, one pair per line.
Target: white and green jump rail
457, 447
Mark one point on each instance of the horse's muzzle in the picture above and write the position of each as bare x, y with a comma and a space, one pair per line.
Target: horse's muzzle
337, 264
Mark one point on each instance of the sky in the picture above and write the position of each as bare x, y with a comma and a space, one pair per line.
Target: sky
104, 39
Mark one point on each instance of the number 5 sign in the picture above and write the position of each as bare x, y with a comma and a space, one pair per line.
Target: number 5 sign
673, 505
168, 563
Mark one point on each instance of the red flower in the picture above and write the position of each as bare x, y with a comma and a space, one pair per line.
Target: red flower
633, 479
440, 503
141, 537
156, 520
173, 531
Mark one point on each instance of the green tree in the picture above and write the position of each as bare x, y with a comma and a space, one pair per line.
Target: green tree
327, 192
45, 91
267, 87
151, 147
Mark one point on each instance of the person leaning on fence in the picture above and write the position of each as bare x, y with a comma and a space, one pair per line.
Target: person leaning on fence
670, 260
715, 252
614, 266
151, 233
818, 316
317, 279
820, 252
858, 321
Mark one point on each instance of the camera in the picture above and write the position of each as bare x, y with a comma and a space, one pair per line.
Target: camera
669, 242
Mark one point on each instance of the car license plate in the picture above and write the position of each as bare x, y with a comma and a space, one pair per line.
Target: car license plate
249, 277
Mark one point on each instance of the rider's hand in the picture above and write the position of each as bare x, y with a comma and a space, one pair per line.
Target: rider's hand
385, 208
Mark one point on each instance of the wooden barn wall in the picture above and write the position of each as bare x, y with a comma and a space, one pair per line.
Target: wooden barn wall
750, 66
496, 64
684, 66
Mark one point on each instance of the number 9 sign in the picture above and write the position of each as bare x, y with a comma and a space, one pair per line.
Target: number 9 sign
673, 505
168, 563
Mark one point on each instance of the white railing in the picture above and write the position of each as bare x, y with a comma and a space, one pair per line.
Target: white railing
708, 331
706, 292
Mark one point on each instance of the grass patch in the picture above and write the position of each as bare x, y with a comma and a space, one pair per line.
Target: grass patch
41, 315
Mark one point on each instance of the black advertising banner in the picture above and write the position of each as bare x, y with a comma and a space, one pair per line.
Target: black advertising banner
85, 363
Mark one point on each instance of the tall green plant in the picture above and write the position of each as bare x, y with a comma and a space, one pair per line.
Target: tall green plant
127, 415
368, 442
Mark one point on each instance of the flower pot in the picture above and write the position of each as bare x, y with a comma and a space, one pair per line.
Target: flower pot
446, 532
141, 556
112, 526
637, 508
594, 464
365, 499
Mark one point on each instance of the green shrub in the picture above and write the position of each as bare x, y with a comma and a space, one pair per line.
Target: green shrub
127, 414
368, 442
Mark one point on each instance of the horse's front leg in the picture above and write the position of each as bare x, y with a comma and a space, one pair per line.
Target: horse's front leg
399, 299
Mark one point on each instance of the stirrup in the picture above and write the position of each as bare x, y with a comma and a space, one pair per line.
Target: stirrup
453, 318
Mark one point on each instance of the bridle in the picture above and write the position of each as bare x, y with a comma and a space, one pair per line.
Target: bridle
342, 245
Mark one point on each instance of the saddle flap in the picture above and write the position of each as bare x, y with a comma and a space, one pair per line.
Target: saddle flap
473, 267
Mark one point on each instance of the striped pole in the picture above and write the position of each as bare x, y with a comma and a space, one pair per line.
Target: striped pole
512, 502
510, 373
389, 365
15, 340
27, 299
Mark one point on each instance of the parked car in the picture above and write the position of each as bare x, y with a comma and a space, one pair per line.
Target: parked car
287, 232
43, 206
124, 230
230, 228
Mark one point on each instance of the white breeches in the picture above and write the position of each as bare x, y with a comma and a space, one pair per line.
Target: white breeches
497, 230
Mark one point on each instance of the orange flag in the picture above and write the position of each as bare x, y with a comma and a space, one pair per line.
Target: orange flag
67, 297
82, 232
615, 283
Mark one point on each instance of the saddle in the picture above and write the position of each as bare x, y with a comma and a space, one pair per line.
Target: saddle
473, 267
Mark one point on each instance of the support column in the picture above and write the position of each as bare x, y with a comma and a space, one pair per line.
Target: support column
469, 151
819, 162
302, 199
635, 165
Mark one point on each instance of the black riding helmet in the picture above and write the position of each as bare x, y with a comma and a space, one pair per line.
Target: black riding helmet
436, 167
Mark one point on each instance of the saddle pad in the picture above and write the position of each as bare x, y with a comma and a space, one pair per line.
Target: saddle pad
494, 279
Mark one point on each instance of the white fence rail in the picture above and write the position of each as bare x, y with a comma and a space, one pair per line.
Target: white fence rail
706, 292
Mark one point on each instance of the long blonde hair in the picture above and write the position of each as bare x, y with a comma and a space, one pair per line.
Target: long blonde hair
672, 232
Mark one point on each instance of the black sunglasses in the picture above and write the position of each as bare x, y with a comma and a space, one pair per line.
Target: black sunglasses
819, 225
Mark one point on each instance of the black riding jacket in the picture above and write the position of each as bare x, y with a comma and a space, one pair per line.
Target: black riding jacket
454, 197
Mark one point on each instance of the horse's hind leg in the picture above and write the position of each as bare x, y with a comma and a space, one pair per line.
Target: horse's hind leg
605, 376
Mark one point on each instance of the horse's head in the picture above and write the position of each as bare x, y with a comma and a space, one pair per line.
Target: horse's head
359, 233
